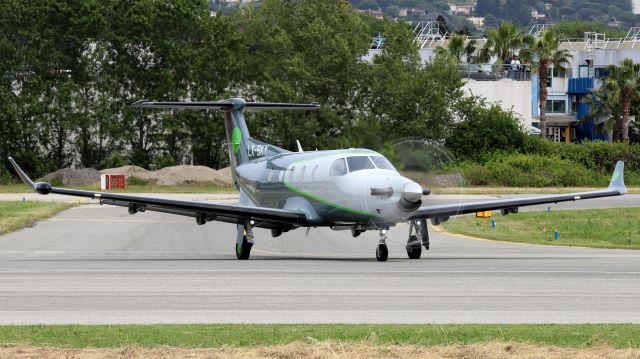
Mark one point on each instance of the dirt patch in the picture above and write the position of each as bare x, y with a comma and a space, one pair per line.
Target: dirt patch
126, 171
176, 175
323, 350
73, 177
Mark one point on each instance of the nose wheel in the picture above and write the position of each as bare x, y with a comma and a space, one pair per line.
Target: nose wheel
382, 252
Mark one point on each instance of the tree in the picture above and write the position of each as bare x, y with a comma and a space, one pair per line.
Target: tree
502, 42
442, 25
305, 51
616, 98
543, 53
457, 47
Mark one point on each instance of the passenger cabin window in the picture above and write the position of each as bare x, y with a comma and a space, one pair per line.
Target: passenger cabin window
302, 170
357, 163
314, 173
382, 163
291, 174
339, 167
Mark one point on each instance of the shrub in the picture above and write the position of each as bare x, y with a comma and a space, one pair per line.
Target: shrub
486, 129
137, 181
163, 161
526, 170
112, 161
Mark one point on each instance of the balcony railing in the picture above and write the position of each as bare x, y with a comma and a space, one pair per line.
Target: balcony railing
495, 72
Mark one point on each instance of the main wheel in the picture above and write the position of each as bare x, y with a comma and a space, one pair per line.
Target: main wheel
243, 251
414, 250
382, 253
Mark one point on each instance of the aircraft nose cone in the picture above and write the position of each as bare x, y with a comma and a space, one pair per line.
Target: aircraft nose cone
412, 192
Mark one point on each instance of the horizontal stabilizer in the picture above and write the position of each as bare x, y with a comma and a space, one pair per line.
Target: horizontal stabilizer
234, 104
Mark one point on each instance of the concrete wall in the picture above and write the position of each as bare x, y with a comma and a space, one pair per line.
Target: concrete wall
511, 95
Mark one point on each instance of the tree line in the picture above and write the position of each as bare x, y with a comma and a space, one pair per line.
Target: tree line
70, 71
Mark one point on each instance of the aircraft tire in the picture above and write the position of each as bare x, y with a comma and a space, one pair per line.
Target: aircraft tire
382, 253
414, 249
243, 251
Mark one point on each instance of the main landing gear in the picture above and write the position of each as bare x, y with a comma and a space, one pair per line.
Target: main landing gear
244, 241
416, 241
382, 252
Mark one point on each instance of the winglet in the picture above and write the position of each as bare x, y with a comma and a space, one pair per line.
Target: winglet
40, 187
617, 179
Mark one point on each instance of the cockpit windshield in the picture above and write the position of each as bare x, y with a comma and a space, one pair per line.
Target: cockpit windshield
382, 163
357, 163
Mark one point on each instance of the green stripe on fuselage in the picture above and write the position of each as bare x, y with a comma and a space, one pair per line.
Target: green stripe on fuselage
355, 152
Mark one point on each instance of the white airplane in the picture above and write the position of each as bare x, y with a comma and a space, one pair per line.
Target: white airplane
352, 189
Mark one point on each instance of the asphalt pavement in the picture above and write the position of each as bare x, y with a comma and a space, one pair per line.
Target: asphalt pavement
97, 264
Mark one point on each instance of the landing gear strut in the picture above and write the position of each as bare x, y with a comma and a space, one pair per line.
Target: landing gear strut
244, 241
382, 253
421, 238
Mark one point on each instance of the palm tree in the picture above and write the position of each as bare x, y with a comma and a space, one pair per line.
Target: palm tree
543, 53
601, 105
622, 85
502, 42
457, 47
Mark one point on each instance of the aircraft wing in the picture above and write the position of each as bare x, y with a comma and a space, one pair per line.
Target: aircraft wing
441, 213
203, 212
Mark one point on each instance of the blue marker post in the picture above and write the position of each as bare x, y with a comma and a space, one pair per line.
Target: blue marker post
556, 235
493, 223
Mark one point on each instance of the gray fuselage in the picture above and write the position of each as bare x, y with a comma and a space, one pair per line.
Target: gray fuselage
332, 188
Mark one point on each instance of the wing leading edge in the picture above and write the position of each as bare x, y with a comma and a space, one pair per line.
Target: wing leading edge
442, 212
203, 212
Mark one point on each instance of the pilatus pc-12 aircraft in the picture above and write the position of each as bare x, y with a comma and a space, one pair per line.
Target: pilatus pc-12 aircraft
353, 189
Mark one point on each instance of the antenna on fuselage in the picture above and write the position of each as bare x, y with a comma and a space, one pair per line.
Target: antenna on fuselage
299, 146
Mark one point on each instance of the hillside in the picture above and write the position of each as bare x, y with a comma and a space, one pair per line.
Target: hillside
614, 13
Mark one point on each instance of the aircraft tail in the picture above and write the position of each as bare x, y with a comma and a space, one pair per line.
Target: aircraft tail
241, 147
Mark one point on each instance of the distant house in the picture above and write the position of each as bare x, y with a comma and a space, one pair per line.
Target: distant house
537, 16
477, 21
461, 9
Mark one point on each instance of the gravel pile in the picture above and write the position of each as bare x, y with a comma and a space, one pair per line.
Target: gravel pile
176, 175
73, 177
168, 176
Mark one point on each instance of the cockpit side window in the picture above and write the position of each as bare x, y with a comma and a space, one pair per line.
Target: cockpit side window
382, 163
357, 163
339, 167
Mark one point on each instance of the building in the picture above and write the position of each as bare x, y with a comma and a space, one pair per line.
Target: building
566, 113
460, 9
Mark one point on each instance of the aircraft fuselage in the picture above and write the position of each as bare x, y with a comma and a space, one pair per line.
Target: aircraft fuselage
332, 188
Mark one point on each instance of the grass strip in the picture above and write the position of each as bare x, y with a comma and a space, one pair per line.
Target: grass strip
249, 335
599, 228
16, 215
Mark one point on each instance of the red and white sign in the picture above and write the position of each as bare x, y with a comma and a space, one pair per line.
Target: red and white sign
112, 181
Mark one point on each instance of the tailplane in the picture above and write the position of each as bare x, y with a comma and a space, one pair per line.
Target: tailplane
241, 147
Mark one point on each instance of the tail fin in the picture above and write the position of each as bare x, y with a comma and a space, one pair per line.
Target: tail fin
241, 147
617, 179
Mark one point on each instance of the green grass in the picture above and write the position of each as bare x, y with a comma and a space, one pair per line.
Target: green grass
247, 335
190, 188
599, 228
18, 215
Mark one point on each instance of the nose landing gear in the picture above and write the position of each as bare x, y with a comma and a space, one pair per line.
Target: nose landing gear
382, 252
